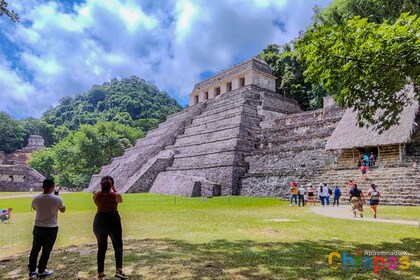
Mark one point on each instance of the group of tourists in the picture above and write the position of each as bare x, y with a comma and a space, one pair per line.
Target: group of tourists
357, 199
307, 195
301, 195
106, 223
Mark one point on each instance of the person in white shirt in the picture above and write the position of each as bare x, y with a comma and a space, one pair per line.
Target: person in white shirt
301, 195
327, 193
45, 229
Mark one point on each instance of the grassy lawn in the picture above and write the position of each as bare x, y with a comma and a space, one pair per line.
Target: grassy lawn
219, 238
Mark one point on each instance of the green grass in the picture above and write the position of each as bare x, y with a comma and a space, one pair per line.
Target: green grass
220, 238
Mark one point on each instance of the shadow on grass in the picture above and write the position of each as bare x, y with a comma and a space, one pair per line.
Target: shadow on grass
221, 259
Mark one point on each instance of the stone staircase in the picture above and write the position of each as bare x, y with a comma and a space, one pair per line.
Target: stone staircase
208, 156
290, 148
398, 185
127, 169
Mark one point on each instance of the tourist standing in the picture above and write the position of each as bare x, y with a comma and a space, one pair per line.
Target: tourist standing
337, 194
301, 194
311, 194
372, 159
328, 193
374, 199
294, 192
45, 230
107, 222
357, 199
321, 194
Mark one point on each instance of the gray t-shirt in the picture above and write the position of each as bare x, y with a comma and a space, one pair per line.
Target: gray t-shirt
46, 206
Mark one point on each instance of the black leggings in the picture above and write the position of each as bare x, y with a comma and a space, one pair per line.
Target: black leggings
108, 224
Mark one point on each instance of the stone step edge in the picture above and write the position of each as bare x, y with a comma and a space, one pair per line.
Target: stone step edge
225, 117
211, 153
240, 106
247, 128
194, 167
174, 146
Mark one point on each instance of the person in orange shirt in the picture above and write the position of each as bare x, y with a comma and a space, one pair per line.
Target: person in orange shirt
294, 191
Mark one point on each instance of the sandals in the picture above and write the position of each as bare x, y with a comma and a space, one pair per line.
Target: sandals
120, 274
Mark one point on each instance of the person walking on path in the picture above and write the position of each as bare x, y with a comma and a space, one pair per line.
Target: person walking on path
357, 199
301, 194
45, 230
374, 199
337, 194
107, 222
294, 192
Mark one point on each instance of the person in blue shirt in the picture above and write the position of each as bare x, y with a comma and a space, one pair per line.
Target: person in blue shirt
337, 194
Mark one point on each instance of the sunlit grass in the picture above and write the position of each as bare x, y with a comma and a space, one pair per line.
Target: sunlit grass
218, 226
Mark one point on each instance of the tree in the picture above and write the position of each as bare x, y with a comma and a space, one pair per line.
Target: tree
11, 133
290, 82
43, 161
377, 11
81, 154
5, 11
364, 64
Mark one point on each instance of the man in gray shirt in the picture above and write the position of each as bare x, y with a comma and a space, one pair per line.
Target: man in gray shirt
45, 230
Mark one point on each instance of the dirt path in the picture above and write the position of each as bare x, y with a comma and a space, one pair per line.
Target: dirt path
24, 195
17, 195
345, 212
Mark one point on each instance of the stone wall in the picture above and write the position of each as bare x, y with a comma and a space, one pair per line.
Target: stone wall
291, 147
18, 177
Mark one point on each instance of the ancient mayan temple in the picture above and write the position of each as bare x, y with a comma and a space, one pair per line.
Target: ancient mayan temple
15, 174
240, 137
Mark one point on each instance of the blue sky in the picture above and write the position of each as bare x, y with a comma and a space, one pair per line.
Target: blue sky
62, 48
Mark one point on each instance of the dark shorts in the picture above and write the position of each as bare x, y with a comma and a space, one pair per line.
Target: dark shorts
310, 194
374, 202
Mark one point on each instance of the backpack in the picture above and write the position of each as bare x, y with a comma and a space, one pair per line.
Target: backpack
329, 191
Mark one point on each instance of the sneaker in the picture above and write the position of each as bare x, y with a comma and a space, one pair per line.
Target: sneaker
33, 275
119, 274
101, 275
46, 273
374, 215
361, 215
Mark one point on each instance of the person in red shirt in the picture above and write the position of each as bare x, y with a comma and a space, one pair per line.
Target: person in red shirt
107, 222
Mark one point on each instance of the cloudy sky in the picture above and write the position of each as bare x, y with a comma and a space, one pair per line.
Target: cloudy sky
62, 48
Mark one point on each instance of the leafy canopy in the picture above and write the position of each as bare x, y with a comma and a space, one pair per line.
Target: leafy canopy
12, 133
78, 156
127, 102
364, 64
4, 10
289, 71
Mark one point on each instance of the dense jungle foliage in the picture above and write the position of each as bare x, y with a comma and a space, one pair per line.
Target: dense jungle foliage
84, 133
361, 51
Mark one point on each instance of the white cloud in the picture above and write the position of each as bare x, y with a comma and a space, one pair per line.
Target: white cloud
62, 51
